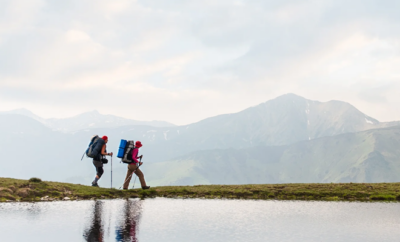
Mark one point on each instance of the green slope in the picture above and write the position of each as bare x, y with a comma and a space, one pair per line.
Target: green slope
368, 156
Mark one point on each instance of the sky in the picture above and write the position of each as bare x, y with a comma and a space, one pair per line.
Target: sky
183, 61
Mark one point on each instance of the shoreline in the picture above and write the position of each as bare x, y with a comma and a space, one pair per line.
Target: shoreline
35, 190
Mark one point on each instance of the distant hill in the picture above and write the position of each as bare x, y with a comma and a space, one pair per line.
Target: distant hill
368, 156
87, 120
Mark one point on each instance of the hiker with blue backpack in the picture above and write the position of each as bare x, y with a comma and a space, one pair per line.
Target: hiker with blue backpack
98, 160
132, 157
97, 151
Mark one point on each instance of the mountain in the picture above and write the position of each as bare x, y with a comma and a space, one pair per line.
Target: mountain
96, 120
13, 124
29, 148
368, 156
285, 120
25, 112
43, 150
87, 120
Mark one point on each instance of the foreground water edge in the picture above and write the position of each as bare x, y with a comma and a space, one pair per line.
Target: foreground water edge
164, 219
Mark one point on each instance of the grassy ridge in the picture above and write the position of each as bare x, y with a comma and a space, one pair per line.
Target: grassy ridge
37, 190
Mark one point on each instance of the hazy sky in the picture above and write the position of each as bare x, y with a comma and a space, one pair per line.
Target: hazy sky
182, 61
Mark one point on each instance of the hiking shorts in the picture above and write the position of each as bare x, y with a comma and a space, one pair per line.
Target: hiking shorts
99, 167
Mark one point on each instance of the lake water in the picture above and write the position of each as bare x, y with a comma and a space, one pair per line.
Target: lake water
162, 219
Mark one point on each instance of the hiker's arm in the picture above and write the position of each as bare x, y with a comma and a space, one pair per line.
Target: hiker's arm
103, 151
134, 155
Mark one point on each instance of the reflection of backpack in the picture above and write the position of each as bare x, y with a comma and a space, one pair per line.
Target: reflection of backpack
94, 149
127, 158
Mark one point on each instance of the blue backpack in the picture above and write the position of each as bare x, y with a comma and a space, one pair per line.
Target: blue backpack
121, 150
94, 148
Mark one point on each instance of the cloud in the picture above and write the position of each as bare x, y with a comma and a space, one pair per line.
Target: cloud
182, 61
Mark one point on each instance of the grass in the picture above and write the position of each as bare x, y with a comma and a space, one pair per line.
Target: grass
36, 190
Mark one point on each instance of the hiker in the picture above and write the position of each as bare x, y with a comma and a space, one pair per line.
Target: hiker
98, 162
133, 167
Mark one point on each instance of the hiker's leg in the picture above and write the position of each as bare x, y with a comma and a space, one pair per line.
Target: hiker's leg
128, 176
99, 171
139, 173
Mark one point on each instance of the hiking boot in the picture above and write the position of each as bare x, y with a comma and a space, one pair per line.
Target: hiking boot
146, 187
95, 185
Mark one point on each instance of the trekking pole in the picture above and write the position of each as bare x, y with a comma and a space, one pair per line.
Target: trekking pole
133, 187
111, 171
83, 155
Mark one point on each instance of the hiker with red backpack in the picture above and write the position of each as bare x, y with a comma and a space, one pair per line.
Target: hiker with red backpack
133, 167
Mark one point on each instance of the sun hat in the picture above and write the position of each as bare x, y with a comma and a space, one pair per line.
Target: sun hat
138, 144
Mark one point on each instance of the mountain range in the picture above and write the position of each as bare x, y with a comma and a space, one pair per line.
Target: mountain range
86, 120
285, 120
287, 139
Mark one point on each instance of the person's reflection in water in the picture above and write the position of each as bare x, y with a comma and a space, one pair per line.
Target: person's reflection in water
95, 232
126, 232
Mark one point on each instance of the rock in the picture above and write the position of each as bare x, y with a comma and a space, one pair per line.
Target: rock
23, 192
5, 190
46, 198
8, 197
66, 198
